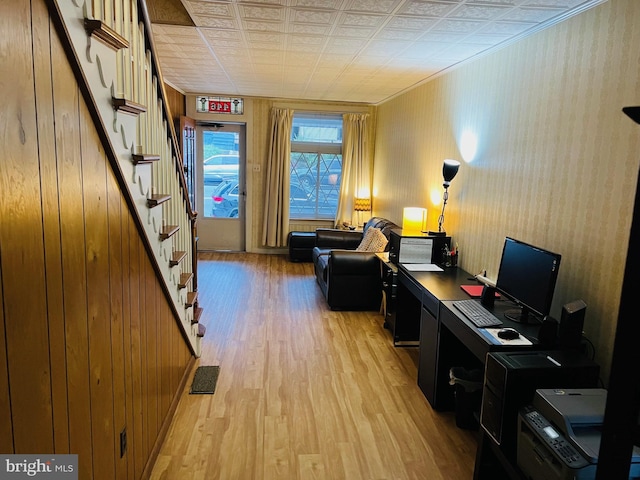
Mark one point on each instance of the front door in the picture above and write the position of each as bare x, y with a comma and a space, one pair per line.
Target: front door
221, 203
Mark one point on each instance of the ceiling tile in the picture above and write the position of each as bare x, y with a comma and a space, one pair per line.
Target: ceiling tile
430, 9
356, 32
564, 4
361, 20
257, 26
264, 2
306, 40
534, 15
487, 38
414, 23
302, 58
457, 26
328, 4
395, 34
384, 48
355, 50
260, 38
211, 9
376, 6
477, 12
262, 13
443, 37
214, 34
506, 28
506, 3
313, 16
423, 50
310, 29
217, 22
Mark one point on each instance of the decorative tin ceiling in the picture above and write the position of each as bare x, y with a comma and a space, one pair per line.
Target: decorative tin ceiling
340, 50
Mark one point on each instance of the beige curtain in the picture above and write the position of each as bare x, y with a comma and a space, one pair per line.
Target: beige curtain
356, 166
276, 200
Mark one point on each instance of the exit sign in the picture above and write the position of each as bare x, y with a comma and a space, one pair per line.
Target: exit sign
227, 105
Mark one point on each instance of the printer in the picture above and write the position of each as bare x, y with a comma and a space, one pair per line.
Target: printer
559, 435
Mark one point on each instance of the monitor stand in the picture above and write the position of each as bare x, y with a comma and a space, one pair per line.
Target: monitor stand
521, 315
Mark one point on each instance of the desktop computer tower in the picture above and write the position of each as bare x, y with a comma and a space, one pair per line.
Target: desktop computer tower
510, 382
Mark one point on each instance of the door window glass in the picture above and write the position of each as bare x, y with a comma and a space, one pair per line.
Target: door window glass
220, 173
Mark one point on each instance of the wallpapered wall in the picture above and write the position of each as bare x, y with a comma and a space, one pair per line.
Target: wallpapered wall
556, 162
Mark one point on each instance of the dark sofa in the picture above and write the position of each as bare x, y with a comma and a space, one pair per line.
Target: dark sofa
349, 280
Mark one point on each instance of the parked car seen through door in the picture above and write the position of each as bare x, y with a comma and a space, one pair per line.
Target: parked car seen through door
220, 168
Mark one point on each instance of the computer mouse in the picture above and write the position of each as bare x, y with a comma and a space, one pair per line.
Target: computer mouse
508, 333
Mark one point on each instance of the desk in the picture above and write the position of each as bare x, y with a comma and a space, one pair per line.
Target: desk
416, 289
462, 343
425, 317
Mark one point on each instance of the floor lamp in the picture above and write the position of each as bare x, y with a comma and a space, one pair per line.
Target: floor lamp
449, 170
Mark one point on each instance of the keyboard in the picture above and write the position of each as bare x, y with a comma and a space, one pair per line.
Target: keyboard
479, 316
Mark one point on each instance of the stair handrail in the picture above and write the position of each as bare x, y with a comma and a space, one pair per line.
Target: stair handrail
179, 164
142, 6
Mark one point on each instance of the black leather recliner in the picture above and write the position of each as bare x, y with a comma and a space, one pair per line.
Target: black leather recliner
349, 280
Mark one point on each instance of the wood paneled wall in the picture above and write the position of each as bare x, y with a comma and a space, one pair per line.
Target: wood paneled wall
88, 342
176, 102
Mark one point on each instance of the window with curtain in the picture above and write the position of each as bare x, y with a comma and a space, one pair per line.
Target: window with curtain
316, 165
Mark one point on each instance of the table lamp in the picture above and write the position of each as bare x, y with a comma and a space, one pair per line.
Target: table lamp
361, 205
414, 220
449, 170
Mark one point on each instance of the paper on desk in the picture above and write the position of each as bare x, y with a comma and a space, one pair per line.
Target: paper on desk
415, 250
492, 334
384, 256
422, 267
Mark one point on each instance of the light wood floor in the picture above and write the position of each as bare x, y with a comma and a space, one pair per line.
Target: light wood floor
304, 392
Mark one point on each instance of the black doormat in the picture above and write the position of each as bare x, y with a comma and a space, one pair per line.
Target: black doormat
204, 380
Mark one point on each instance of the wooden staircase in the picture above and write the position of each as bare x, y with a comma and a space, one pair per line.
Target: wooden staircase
110, 48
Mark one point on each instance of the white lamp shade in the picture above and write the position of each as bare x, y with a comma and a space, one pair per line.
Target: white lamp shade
414, 220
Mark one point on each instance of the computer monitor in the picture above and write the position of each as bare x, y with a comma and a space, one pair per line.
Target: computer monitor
527, 276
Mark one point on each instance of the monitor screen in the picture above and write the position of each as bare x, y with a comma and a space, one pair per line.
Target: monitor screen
527, 275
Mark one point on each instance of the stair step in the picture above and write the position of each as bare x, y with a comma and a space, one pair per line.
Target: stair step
168, 231
157, 199
191, 299
201, 330
103, 32
176, 257
197, 313
128, 106
139, 158
184, 279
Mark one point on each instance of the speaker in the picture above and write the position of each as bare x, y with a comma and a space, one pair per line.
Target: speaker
571, 323
547, 335
488, 296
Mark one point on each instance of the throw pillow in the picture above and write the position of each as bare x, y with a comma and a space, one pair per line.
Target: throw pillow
379, 241
373, 241
366, 240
